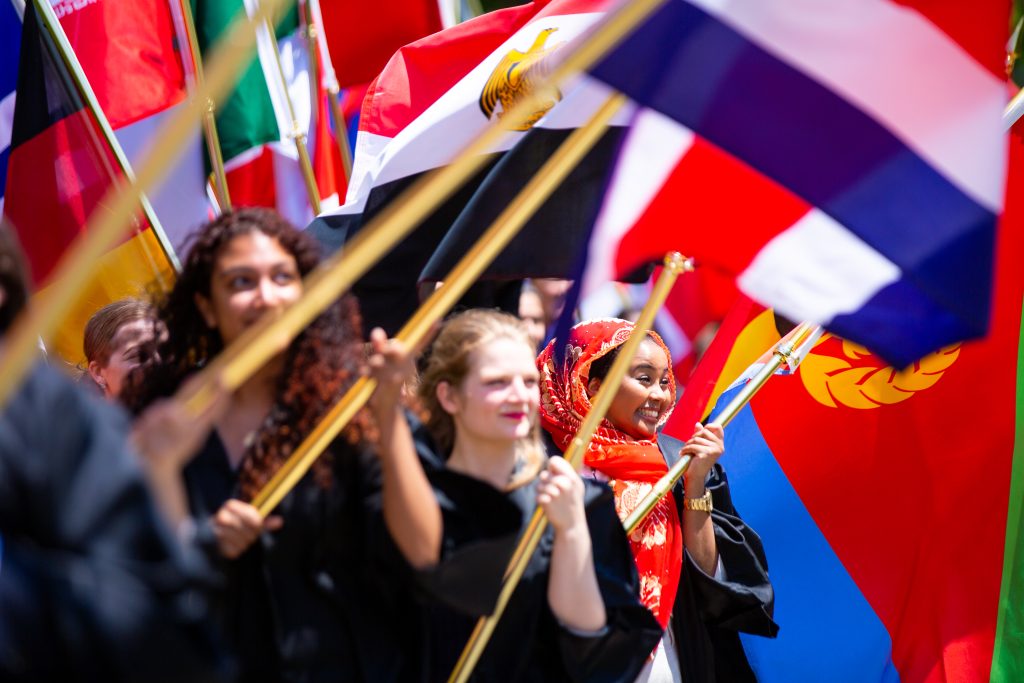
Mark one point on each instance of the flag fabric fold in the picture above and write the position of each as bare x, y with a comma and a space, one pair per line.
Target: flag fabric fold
857, 476
882, 192
59, 171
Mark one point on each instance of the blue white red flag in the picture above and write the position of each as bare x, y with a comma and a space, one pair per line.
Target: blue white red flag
844, 161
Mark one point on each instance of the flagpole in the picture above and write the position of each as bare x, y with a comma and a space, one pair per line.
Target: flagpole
262, 340
675, 264
106, 225
319, 38
210, 135
81, 81
334, 276
296, 133
784, 352
463, 275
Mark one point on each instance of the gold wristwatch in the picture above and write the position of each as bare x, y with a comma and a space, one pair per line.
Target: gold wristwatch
702, 504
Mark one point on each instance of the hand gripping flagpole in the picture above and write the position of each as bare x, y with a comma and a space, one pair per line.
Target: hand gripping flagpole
296, 134
334, 276
220, 177
464, 274
674, 266
784, 352
67, 54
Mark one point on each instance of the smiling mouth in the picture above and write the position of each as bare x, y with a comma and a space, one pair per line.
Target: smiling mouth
649, 414
515, 416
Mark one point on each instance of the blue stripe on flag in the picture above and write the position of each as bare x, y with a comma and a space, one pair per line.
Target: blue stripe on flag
10, 46
688, 65
828, 631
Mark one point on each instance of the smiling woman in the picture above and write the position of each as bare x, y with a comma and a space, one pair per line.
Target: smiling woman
309, 593
703, 572
575, 615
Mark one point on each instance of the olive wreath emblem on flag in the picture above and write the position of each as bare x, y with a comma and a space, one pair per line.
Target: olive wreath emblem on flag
855, 380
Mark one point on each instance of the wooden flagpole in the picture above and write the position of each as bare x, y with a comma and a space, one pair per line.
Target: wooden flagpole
335, 275
81, 81
220, 178
674, 266
107, 224
455, 284
296, 133
784, 352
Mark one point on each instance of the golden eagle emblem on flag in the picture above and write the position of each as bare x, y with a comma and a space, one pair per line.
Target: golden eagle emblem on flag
856, 380
517, 74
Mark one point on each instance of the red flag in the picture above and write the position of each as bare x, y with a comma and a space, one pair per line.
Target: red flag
362, 36
129, 53
59, 171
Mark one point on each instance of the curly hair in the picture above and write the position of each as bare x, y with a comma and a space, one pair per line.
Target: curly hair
449, 361
320, 364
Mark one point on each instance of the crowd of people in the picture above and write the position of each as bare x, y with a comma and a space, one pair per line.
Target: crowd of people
131, 549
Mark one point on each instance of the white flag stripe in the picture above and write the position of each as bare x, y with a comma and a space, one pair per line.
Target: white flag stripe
913, 78
816, 270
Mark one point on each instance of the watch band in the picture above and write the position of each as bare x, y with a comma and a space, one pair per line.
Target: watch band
702, 504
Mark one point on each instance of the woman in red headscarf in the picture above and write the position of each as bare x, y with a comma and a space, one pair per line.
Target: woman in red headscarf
703, 572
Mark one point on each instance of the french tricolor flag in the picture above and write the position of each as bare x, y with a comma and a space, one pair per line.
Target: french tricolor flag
844, 161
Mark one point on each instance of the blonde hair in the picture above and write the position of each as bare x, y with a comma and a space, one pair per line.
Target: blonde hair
449, 361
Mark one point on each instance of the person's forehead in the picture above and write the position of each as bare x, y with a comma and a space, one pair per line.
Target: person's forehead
134, 332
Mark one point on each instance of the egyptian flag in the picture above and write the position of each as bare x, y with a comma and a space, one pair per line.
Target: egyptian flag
434, 97
60, 169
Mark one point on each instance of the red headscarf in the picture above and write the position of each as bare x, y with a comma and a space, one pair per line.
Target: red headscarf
632, 465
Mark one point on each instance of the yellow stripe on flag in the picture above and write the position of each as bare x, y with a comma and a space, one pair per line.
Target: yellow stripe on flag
136, 268
759, 335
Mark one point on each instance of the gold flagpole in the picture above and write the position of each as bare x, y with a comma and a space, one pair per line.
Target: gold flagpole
316, 35
296, 134
67, 55
107, 224
783, 353
674, 266
220, 179
335, 275
464, 274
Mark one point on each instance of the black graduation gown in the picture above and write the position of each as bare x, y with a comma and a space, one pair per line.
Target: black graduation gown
322, 599
93, 586
481, 528
709, 614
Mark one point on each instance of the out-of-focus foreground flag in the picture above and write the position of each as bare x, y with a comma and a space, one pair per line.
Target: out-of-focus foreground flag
434, 97
890, 502
59, 170
10, 42
845, 161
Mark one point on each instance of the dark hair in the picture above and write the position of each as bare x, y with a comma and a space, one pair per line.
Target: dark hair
14, 287
320, 363
600, 367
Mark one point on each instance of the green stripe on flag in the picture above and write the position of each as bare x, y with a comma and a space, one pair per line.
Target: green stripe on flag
246, 119
1008, 656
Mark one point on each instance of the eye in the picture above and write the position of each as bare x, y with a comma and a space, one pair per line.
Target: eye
284, 277
239, 282
664, 382
644, 380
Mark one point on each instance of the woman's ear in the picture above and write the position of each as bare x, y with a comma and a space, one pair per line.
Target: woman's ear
96, 372
447, 397
205, 310
592, 387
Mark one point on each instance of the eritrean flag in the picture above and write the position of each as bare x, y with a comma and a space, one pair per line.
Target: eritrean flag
890, 503
59, 171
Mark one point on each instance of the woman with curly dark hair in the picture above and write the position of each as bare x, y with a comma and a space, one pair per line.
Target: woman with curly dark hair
305, 598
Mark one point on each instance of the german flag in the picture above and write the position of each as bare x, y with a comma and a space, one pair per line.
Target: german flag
59, 171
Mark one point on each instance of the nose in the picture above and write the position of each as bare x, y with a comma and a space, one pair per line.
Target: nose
658, 393
267, 291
